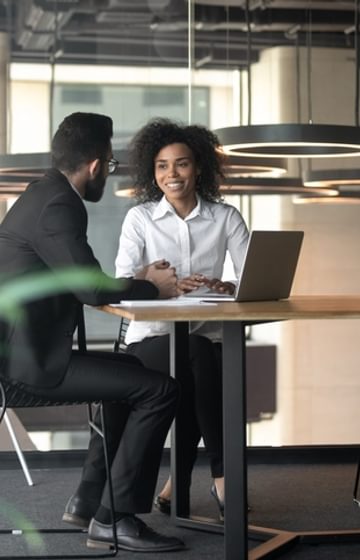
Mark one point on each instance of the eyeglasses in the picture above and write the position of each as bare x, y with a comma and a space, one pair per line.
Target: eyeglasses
112, 164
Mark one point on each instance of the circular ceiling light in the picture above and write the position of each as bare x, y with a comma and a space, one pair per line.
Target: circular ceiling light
346, 195
291, 140
18, 170
35, 164
12, 186
29, 165
332, 178
240, 166
269, 186
318, 199
123, 187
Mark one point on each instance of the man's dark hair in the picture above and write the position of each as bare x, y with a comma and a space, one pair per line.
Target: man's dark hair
80, 138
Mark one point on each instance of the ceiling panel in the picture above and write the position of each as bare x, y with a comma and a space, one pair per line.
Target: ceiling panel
156, 31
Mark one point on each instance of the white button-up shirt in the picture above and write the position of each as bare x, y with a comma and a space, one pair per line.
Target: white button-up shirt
196, 244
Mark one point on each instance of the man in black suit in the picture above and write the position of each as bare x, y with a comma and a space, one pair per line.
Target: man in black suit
46, 230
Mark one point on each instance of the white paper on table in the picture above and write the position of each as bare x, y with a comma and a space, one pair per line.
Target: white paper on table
179, 301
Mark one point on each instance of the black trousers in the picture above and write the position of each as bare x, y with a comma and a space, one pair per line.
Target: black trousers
200, 409
142, 404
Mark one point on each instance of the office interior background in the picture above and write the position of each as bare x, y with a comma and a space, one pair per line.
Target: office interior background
219, 63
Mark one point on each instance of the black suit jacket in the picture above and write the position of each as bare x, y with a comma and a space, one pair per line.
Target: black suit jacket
46, 229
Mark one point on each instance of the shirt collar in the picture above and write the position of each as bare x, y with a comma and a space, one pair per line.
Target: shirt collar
201, 209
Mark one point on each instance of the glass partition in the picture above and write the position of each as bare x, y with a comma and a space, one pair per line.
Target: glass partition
188, 60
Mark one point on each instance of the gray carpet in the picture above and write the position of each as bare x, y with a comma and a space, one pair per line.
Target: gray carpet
288, 497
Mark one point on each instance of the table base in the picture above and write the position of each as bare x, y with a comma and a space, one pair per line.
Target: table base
276, 541
279, 542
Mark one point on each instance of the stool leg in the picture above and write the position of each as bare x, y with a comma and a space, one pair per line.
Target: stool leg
108, 472
103, 434
18, 449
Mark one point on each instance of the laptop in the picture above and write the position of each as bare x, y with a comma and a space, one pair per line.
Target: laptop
268, 270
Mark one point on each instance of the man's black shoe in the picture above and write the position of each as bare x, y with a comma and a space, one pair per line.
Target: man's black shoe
79, 511
132, 534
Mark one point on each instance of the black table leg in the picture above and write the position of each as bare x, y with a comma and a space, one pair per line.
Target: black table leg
235, 463
179, 349
234, 392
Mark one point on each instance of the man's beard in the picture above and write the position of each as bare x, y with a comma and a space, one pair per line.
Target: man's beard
94, 188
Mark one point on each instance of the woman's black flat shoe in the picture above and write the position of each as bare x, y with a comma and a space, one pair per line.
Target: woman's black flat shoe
163, 505
220, 504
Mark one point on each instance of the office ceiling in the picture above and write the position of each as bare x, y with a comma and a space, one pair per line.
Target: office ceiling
155, 32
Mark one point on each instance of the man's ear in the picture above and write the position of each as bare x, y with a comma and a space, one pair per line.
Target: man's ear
94, 167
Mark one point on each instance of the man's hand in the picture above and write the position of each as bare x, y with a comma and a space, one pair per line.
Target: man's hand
162, 275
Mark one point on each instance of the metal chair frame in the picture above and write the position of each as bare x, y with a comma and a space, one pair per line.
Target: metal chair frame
18, 449
119, 343
15, 395
5, 389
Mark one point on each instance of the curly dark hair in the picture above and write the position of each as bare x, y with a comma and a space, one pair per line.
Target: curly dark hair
161, 132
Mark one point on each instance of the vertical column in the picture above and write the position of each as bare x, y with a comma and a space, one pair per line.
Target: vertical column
4, 56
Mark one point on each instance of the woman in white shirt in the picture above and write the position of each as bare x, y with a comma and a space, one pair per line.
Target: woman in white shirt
180, 218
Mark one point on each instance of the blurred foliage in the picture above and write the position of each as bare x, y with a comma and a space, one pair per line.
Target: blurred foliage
15, 292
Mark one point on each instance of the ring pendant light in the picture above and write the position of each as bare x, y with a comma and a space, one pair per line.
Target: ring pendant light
270, 186
236, 166
247, 166
18, 170
292, 140
257, 183
343, 176
332, 178
346, 194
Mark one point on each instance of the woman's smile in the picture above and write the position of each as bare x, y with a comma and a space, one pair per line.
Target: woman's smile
175, 174
173, 185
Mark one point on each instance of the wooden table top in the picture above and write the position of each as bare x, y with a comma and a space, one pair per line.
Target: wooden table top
296, 307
